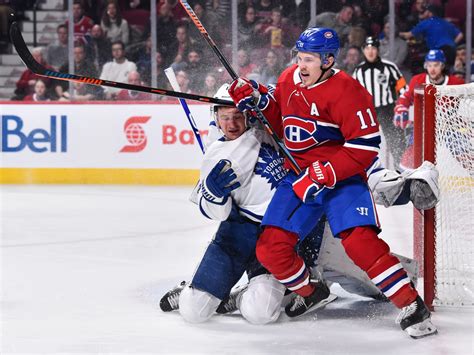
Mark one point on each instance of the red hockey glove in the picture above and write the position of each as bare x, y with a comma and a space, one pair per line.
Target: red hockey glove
313, 180
401, 119
248, 93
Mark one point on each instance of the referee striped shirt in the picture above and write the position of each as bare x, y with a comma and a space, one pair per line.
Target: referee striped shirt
382, 79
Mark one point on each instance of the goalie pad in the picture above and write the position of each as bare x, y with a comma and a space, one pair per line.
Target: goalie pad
424, 190
386, 185
335, 266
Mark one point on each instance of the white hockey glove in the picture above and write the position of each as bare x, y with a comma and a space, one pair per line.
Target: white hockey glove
386, 185
424, 189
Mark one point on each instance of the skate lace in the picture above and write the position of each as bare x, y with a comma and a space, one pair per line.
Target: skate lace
298, 302
231, 304
406, 312
173, 297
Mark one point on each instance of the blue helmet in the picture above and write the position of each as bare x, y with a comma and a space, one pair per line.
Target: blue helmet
324, 41
435, 55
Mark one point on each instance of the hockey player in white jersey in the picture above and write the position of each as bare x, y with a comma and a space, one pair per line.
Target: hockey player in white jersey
239, 173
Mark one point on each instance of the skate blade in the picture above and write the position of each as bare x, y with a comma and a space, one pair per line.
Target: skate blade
421, 330
332, 297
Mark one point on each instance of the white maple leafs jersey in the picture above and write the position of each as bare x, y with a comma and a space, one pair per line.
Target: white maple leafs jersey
259, 169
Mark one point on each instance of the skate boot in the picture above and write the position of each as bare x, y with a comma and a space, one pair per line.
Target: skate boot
170, 301
415, 319
229, 305
319, 298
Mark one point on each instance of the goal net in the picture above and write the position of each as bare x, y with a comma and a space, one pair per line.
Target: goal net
445, 246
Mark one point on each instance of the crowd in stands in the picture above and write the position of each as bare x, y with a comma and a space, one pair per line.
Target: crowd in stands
112, 42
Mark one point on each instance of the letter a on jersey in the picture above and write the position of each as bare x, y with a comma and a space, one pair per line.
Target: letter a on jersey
314, 110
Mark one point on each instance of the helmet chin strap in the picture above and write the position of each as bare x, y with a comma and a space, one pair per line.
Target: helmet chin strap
323, 71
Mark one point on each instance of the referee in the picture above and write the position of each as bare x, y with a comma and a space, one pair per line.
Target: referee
384, 81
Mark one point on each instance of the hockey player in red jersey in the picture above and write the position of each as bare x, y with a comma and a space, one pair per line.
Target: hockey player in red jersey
328, 123
435, 63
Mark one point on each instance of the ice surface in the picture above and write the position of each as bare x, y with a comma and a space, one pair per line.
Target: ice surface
83, 268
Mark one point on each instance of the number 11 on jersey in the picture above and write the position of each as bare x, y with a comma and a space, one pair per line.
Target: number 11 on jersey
363, 125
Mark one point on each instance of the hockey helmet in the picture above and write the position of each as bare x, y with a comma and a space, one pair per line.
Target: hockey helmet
435, 55
371, 41
222, 94
322, 40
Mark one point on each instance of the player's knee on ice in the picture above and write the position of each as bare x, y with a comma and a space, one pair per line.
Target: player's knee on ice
197, 306
261, 302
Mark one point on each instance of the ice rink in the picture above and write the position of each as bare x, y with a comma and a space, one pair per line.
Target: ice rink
83, 269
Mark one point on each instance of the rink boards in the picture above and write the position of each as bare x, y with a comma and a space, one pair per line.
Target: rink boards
100, 143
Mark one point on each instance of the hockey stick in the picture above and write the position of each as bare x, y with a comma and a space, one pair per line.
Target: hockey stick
174, 84
260, 116
25, 55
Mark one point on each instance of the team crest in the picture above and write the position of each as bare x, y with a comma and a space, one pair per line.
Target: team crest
270, 165
300, 134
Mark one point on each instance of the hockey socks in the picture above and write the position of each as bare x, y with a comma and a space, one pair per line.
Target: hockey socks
276, 252
372, 255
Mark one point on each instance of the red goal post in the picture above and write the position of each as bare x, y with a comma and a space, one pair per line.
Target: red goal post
444, 135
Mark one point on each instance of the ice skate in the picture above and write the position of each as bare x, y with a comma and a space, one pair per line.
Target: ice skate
170, 301
302, 305
415, 319
229, 305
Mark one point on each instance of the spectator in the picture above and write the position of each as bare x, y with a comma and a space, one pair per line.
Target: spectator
82, 66
410, 13
195, 69
25, 85
82, 92
39, 93
437, 32
460, 60
166, 30
210, 85
130, 95
356, 38
114, 25
82, 23
183, 81
243, 61
178, 50
340, 22
272, 68
118, 69
248, 28
275, 34
400, 47
264, 9
209, 20
57, 53
351, 59
98, 48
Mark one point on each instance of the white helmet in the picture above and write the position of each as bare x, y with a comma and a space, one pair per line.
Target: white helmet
222, 94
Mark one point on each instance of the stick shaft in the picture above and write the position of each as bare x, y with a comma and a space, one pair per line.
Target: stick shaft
38, 69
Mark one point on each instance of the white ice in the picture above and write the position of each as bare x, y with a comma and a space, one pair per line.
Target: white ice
83, 269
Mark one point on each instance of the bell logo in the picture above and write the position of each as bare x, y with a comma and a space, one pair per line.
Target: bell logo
135, 134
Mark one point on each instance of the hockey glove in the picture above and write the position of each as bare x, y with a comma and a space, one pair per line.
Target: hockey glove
248, 93
313, 180
401, 119
220, 182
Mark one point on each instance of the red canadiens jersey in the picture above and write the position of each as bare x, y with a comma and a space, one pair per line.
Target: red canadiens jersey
332, 121
417, 81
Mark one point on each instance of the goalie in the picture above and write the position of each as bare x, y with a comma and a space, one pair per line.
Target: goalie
238, 178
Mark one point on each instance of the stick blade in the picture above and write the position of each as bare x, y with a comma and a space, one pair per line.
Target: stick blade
23, 51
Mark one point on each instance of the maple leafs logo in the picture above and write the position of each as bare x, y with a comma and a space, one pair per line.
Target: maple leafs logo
270, 165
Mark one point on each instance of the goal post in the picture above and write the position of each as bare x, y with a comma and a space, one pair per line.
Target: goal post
443, 236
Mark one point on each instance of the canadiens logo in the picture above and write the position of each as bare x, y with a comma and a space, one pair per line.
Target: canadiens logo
328, 34
300, 134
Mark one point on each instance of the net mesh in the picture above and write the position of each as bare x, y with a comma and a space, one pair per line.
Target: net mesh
454, 229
